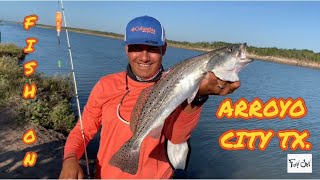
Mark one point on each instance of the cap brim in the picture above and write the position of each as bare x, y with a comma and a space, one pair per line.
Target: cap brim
150, 43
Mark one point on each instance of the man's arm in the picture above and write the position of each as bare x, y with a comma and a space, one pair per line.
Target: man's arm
91, 119
74, 147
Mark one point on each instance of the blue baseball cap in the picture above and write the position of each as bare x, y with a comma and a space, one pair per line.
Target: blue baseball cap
144, 30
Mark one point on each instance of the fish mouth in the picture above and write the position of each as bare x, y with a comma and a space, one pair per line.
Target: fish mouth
243, 51
242, 55
246, 60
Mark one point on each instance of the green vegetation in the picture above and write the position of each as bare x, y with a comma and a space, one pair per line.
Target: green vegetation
286, 53
275, 52
199, 45
11, 50
51, 108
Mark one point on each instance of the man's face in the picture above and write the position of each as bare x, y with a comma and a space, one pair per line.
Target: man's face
145, 60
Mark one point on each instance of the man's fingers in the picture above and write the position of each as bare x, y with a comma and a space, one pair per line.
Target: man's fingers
223, 87
227, 87
222, 84
80, 174
211, 85
225, 90
235, 85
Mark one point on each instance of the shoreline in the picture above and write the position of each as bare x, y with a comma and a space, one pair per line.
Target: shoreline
281, 60
18, 116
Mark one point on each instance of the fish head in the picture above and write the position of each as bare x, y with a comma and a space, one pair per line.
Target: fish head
241, 60
228, 61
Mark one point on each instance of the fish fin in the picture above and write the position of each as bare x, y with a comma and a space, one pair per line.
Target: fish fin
226, 75
156, 132
178, 154
126, 158
193, 95
135, 115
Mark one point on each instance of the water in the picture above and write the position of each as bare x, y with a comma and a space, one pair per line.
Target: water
96, 56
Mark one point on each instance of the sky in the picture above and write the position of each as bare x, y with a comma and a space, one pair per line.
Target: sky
262, 24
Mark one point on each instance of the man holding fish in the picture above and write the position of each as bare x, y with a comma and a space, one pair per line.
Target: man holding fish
147, 114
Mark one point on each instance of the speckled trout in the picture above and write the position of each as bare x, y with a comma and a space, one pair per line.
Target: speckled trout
157, 102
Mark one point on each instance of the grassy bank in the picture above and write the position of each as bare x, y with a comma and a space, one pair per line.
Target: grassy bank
51, 107
12, 50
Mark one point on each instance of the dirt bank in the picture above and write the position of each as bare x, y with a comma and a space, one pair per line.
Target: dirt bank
49, 148
295, 62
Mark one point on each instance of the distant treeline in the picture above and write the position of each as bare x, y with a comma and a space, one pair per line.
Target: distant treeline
115, 35
286, 53
272, 51
276, 52
199, 45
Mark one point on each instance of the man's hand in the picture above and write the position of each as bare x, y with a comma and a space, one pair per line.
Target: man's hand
71, 169
211, 85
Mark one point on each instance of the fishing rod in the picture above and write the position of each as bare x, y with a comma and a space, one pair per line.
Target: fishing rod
75, 89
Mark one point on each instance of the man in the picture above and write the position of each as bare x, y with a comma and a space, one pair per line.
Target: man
113, 97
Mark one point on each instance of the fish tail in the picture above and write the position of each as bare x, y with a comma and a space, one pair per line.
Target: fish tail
127, 158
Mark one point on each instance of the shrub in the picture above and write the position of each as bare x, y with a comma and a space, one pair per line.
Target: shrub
12, 50
51, 108
61, 117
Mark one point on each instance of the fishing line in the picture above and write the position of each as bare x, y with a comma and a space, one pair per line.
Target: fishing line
75, 89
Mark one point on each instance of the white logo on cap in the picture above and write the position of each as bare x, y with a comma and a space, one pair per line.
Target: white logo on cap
143, 29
